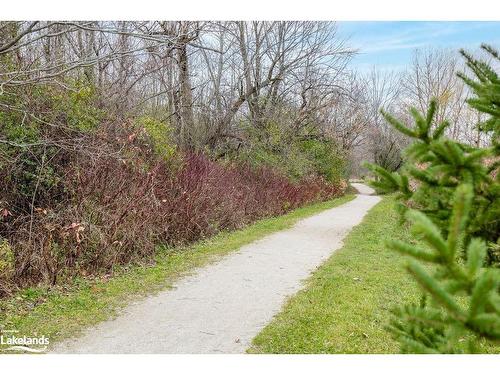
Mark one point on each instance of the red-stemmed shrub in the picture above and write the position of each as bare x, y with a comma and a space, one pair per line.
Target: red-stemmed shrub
117, 207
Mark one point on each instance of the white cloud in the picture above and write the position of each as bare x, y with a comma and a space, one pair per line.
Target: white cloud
409, 38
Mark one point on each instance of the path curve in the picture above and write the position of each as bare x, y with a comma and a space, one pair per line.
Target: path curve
224, 305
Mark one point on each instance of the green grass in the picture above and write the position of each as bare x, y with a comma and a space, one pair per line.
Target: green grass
63, 311
346, 303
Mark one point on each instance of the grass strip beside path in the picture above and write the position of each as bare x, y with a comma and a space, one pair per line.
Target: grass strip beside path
61, 312
346, 303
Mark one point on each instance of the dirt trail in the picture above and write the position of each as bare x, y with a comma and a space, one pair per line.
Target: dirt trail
221, 307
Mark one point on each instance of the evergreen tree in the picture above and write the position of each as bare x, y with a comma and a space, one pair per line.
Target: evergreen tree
450, 193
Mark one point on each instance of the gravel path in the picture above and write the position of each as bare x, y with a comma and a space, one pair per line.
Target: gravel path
224, 305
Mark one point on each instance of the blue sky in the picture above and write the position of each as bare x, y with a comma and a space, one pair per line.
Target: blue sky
391, 44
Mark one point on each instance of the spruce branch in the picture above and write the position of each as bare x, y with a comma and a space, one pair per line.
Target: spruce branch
450, 193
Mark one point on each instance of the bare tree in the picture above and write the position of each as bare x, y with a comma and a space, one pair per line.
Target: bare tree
204, 78
432, 74
384, 91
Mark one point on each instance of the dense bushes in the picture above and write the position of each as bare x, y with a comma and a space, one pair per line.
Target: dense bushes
296, 153
108, 149
114, 196
87, 183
